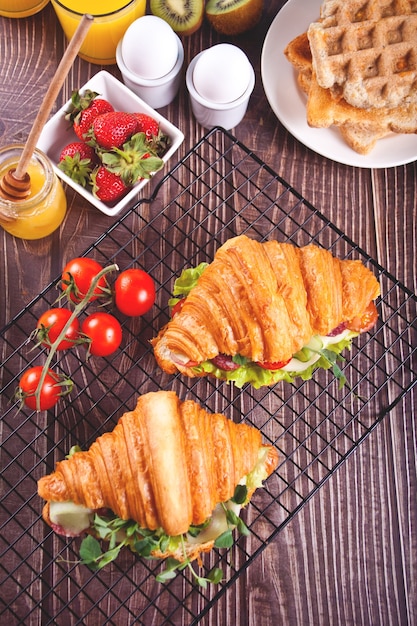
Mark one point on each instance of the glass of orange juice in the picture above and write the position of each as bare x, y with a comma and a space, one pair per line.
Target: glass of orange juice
21, 8
43, 211
111, 20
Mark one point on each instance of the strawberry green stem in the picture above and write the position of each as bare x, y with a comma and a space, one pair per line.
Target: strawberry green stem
77, 310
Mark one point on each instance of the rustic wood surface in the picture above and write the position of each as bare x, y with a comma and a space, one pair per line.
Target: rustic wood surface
349, 556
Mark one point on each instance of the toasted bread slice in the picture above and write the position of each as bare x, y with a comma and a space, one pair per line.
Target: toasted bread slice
360, 128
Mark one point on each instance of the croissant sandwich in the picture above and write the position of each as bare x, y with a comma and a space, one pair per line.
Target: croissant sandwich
265, 312
168, 481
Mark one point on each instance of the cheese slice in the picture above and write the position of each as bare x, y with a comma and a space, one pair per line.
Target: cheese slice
73, 518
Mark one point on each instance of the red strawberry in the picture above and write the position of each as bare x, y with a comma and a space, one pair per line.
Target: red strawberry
84, 108
158, 142
112, 130
107, 186
147, 125
80, 148
134, 161
77, 160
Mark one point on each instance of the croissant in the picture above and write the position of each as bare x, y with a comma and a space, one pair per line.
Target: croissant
166, 465
259, 304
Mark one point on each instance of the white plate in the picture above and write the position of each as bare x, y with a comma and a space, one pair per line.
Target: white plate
289, 103
55, 134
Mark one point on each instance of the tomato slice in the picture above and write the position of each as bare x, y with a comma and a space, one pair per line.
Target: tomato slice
177, 307
268, 365
363, 323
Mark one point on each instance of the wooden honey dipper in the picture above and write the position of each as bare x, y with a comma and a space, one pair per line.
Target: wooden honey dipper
15, 184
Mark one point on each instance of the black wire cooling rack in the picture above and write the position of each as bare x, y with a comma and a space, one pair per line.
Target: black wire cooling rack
218, 190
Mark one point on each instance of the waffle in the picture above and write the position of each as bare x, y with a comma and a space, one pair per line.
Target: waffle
367, 49
360, 128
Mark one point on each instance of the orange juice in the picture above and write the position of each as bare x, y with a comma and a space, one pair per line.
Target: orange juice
44, 209
111, 20
21, 8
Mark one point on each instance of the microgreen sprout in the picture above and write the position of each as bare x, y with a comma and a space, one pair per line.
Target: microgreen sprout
127, 533
332, 358
173, 566
118, 533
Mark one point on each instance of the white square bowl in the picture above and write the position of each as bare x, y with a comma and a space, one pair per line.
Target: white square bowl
56, 134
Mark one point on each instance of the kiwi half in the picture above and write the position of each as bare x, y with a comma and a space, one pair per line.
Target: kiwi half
184, 16
233, 17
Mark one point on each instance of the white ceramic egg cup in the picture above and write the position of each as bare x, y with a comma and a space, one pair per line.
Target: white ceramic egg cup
210, 114
157, 92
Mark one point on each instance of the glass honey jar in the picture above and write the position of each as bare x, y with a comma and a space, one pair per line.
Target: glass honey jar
43, 210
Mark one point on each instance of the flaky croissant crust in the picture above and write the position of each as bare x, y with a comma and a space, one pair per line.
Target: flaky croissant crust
166, 464
264, 301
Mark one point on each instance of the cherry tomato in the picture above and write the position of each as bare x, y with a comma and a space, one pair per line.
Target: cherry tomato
268, 365
50, 325
49, 393
104, 332
366, 321
77, 276
134, 292
177, 307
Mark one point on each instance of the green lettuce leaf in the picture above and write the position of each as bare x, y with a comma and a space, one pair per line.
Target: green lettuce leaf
250, 373
185, 282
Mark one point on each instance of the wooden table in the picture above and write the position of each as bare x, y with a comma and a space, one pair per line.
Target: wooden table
349, 555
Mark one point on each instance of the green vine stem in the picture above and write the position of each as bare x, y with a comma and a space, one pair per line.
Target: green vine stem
79, 307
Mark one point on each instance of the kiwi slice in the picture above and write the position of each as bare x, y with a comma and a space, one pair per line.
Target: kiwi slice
233, 17
184, 16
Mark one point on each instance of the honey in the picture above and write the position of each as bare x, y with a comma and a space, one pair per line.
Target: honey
43, 211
